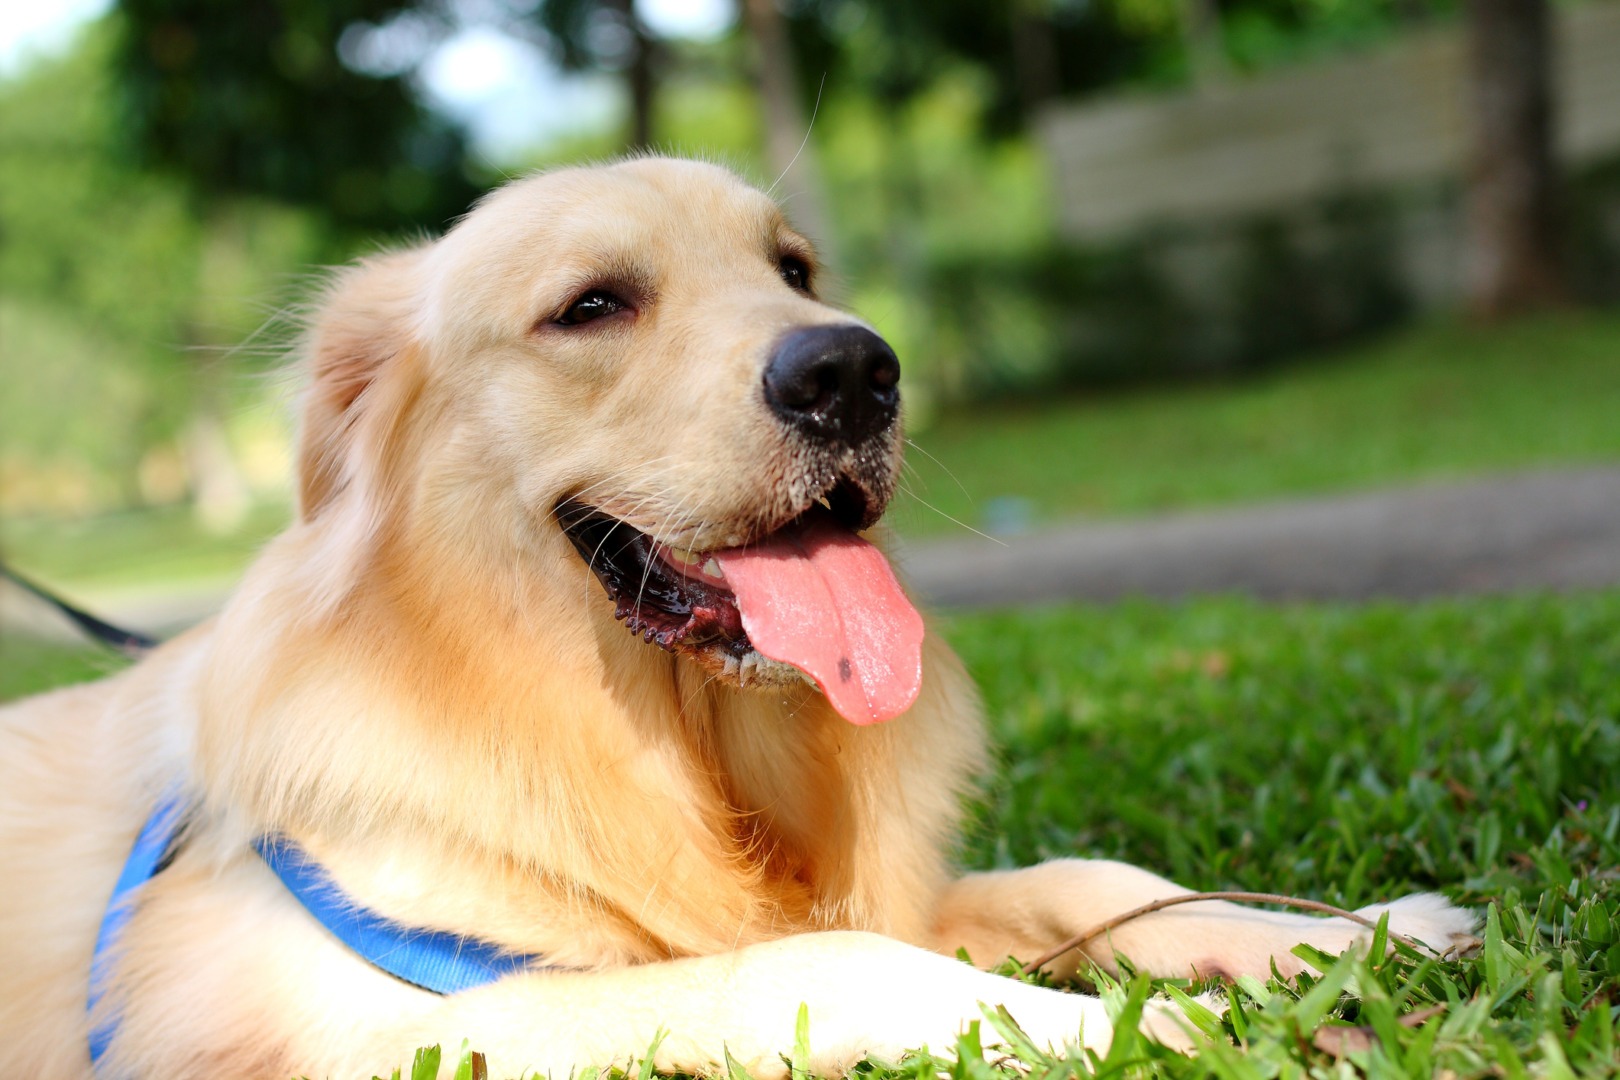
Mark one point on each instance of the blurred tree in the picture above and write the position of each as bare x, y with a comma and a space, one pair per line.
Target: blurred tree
608, 35
1513, 262
1032, 50
1195, 25
251, 97
788, 146
254, 96
119, 301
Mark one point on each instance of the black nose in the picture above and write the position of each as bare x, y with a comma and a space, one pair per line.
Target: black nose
834, 383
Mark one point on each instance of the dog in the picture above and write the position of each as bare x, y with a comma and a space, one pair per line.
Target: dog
609, 399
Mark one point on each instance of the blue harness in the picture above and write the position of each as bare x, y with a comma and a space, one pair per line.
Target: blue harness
433, 960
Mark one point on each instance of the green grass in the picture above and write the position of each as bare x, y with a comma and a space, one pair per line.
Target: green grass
28, 666
138, 547
1351, 754
1346, 753
1435, 402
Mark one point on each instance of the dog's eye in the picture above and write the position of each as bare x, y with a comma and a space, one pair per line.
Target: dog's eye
596, 304
795, 271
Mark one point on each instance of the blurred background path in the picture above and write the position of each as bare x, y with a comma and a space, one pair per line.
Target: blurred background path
1555, 530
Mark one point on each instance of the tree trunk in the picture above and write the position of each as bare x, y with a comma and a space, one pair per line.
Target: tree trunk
788, 148
1512, 256
220, 495
642, 80
1035, 59
1202, 38
640, 74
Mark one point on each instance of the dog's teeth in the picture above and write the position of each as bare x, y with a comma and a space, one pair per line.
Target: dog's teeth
730, 665
822, 499
712, 569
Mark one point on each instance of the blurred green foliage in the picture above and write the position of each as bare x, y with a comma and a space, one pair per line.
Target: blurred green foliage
251, 97
169, 182
95, 264
266, 96
1030, 52
125, 303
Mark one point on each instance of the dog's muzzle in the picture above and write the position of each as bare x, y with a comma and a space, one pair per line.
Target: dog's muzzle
836, 385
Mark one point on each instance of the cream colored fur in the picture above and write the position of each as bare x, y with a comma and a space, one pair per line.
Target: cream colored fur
421, 682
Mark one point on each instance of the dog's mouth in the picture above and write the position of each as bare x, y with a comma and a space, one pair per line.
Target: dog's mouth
807, 599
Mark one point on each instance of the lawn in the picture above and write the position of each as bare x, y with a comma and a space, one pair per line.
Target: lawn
1436, 402
135, 548
1346, 753
1351, 754
28, 666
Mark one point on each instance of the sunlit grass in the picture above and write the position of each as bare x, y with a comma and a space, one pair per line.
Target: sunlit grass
139, 547
1439, 402
28, 666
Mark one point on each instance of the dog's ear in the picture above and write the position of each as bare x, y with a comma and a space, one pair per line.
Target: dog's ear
364, 322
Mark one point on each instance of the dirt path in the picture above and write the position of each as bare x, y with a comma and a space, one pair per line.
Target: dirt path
1553, 530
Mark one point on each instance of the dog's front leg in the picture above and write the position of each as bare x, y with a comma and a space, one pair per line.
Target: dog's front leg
1024, 913
866, 994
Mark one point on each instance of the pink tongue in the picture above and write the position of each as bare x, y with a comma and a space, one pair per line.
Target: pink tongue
824, 600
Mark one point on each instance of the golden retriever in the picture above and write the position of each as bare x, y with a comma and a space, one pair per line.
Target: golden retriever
609, 397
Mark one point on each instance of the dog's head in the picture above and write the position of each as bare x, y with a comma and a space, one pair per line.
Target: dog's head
631, 366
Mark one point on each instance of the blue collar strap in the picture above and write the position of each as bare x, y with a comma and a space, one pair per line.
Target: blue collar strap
433, 960
154, 846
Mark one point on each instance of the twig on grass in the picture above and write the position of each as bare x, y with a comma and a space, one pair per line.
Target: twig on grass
1187, 898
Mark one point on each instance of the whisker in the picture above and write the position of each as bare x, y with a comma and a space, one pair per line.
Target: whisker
811, 126
942, 465
621, 479
656, 542
685, 519
907, 489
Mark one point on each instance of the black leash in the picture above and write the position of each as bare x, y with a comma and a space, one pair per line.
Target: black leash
127, 642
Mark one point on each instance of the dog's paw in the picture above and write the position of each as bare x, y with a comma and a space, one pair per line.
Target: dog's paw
1166, 1022
1430, 920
